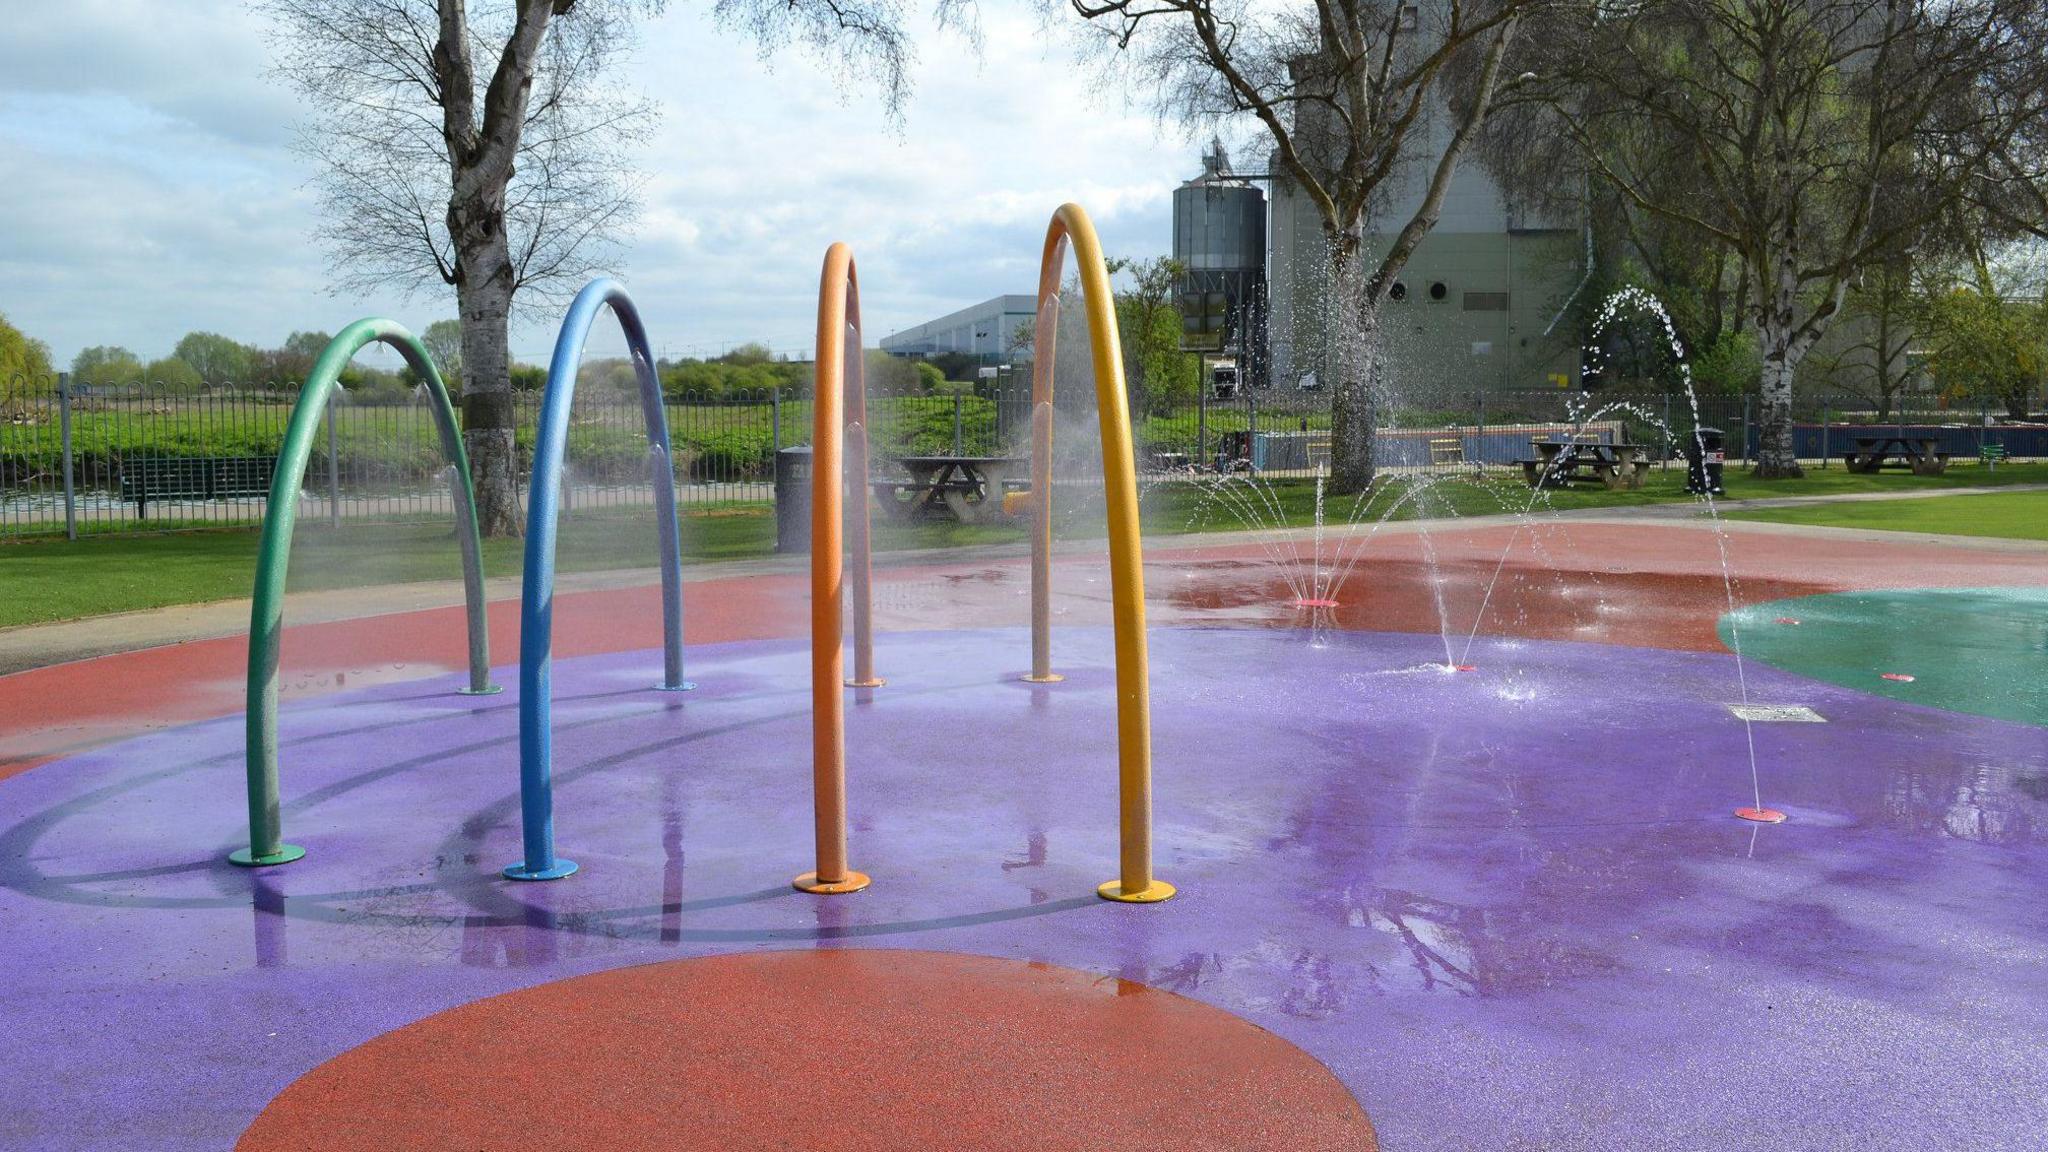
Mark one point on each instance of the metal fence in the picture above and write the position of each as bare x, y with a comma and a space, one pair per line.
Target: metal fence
1283, 431
79, 461
91, 460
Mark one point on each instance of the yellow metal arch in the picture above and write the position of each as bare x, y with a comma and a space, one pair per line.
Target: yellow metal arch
1070, 224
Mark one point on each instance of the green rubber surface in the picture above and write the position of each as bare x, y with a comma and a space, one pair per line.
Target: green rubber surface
1982, 651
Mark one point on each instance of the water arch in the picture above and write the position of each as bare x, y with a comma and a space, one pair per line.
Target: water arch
537, 588
838, 422
1070, 225
273, 557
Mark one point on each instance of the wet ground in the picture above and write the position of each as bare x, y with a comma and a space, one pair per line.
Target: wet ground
1506, 908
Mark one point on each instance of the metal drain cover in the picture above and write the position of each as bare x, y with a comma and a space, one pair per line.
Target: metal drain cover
1776, 714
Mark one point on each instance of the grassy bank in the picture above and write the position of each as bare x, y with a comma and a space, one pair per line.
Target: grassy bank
2001, 515
49, 580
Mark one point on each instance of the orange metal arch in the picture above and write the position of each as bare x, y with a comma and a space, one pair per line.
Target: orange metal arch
838, 423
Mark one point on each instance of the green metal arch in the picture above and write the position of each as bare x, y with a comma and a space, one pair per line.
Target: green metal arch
273, 557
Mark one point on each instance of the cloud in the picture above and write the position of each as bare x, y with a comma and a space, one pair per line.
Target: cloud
152, 188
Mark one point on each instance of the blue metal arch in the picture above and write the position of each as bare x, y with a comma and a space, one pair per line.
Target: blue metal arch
537, 591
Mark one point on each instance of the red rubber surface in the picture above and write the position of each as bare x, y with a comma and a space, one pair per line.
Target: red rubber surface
851, 1050
47, 712
1646, 585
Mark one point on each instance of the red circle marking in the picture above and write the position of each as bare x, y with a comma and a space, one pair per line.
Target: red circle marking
1761, 815
1901, 677
843, 1049
1786, 620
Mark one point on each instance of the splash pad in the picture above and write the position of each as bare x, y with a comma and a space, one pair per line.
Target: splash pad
1492, 907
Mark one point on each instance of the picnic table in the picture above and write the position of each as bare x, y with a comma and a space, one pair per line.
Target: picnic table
1918, 452
969, 487
1619, 466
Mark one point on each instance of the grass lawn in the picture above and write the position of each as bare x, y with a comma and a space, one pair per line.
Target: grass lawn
2006, 515
49, 580
1174, 508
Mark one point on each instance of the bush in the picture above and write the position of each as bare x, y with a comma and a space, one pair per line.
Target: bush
719, 379
956, 365
1731, 365
730, 454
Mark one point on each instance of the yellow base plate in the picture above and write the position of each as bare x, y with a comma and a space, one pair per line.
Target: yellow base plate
809, 882
1114, 890
877, 682
1048, 678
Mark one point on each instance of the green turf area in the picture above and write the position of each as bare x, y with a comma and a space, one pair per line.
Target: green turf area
1978, 650
2007, 515
48, 580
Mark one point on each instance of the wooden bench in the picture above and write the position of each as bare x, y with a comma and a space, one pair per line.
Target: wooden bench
150, 478
1557, 462
1447, 450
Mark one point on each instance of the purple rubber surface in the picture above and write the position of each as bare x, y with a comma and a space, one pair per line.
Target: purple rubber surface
1509, 908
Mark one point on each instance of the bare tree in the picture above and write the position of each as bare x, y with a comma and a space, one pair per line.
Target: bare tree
1347, 91
1818, 136
1869, 361
484, 146
2012, 194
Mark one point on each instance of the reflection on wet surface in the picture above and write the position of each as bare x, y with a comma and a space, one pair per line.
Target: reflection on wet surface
1374, 861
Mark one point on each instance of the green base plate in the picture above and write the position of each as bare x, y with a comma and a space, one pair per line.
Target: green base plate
285, 854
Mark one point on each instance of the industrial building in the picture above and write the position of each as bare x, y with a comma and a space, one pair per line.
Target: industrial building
1479, 306
988, 330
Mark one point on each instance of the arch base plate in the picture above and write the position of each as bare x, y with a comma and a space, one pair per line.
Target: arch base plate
1152, 893
520, 871
285, 854
853, 882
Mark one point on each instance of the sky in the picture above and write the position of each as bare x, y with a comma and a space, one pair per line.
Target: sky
148, 186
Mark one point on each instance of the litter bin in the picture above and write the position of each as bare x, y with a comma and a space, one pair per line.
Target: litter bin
793, 500
1705, 454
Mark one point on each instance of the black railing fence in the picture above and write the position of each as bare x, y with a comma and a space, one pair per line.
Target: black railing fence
84, 460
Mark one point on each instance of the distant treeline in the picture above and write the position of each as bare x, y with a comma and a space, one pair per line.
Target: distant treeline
207, 361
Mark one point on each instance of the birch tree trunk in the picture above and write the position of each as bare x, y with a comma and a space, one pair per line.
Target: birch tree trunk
1775, 457
483, 293
1784, 343
1353, 362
